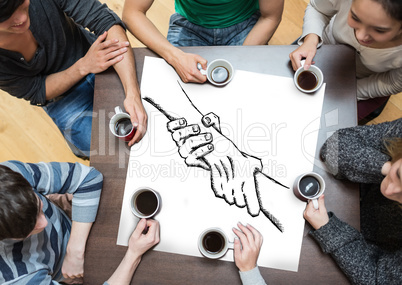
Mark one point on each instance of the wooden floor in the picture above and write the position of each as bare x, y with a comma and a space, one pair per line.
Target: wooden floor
28, 134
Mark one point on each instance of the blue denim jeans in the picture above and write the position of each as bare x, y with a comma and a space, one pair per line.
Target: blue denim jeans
72, 114
184, 33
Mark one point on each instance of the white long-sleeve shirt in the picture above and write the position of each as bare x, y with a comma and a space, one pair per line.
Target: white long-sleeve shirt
379, 71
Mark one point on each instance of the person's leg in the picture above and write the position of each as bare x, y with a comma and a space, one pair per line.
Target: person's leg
184, 33
73, 116
371, 108
236, 34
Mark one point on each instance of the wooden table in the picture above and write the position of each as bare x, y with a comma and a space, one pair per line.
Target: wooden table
110, 157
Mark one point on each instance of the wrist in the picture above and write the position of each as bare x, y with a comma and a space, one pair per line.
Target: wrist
173, 56
78, 238
81, 67
133, 93
312, 39
76, 251
133, 259
246, 268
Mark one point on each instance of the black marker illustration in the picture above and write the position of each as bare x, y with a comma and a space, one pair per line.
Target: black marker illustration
234, 174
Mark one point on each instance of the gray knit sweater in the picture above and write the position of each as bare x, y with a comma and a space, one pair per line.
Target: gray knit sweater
374, 255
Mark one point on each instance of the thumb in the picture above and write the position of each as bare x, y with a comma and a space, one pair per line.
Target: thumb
137, 128
308, 61
321, 203
194, 161
134, 119
202, 61
140, 227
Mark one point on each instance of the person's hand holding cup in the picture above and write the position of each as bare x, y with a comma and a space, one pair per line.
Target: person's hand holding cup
120, 125
308, 80
309, 186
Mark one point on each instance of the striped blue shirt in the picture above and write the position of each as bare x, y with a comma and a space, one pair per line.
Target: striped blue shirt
38, 259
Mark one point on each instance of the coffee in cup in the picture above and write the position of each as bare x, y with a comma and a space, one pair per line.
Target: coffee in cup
213, 243
219, 72
310, 80
120, 125
145, 202
309, 186
307, 80
123, 127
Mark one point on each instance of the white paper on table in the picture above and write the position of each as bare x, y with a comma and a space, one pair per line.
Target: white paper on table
265, 116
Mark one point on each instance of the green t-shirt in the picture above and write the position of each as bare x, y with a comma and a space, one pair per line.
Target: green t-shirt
215, 13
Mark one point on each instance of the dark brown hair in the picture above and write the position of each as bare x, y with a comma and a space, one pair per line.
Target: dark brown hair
19, 205
392, 7
8, 7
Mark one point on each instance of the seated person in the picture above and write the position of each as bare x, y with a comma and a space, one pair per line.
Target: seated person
32, 228
373, 28
371, 155
49, 58
203, 23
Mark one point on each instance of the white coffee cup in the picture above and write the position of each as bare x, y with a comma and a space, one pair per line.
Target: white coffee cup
213, 243
308, 81
124, 119
145, 202
309, 186
219, 72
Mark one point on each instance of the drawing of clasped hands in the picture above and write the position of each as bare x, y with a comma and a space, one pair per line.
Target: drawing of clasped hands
232, 171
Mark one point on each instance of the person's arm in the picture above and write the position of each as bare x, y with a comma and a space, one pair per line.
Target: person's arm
112, 49
105, 52
264, 29
358, 153
101, 55
185, 64
380, 84
128, 76
247, 248
73, 264
362, 263
85, 183
138, 244
317, 16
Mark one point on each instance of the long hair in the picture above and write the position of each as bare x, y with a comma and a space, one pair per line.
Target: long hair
392, 7
19, 205
8, 7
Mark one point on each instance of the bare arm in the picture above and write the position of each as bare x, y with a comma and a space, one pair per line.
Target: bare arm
317, 16
73, 264
127, 74
307, 50
271, 16
185, 64
102, 54
139, 243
